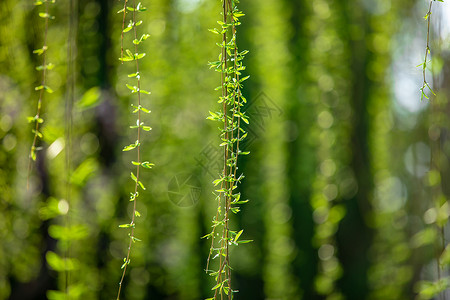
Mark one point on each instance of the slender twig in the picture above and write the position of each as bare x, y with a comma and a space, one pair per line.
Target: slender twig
427, 51
70, 98
123, 27
37, 118
138, 151
230, 115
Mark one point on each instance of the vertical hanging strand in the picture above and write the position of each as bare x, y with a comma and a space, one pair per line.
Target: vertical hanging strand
425, 84
70, 98
43, 87
231, 99
435, 180
129, 56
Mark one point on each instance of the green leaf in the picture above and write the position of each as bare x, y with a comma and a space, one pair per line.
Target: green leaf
125, 226
145, 36
132, 88
238, 235
47, 66
33, 154
244, 119
235, 209
75, 232
125, 262
46, 16
85, 170
40, 51
445, 257
215, 30
39, 134
126, 58
426, 236
135, 239
146, 128
35, 118
139, 55
245, 241
147, 165
133, 177
131, 146
217, 181
145, 110
90, 99
141, 185
137, 108
58, 263
139, 7
133, 196
46, 88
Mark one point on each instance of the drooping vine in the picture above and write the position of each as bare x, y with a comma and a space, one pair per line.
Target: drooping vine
134, 56
425, 83
437, 216
231, 115
43, 87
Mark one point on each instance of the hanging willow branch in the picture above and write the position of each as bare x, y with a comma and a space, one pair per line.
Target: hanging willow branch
129, 56
43, 87
229, 66
425, 84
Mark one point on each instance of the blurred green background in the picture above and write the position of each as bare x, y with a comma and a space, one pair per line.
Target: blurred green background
347, 177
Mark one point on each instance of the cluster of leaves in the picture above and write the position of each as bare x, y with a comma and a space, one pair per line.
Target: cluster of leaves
425, 83
134, 57
43, 87
229, 65
53, 209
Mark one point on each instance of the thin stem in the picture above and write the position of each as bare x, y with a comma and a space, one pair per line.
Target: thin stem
41, 96
427, 51
225, 127
70, 97
123, 27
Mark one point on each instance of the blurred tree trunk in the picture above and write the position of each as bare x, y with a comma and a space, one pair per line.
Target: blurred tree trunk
354, 236
302, 161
